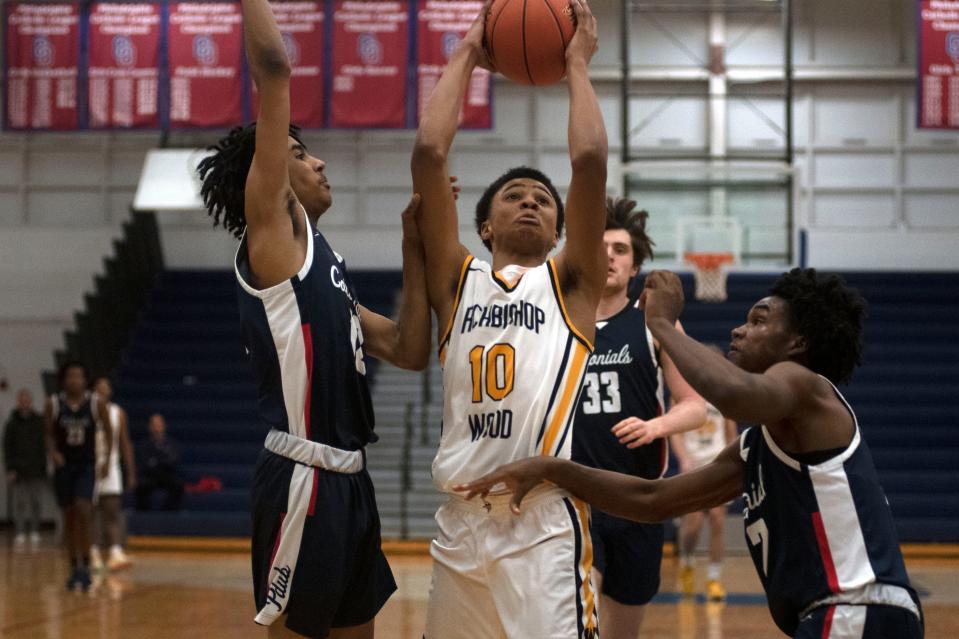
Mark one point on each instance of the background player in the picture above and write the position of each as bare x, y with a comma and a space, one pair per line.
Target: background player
620, 424
316, 535
817, 522
109, 490
517, 336
694, 449
72, 417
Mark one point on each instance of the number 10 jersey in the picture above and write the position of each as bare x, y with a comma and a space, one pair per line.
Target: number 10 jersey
513, 366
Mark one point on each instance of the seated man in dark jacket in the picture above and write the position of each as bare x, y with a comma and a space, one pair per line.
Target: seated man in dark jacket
158, 461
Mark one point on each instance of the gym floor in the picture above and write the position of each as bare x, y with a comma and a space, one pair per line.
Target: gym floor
177, 594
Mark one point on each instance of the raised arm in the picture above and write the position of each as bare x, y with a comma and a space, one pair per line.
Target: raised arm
582, 262
439, 226
686, 412
405, 343
275, 229
622, 495
766, 398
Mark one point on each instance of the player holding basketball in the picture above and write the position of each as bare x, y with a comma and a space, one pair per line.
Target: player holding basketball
317, 559
817, 522
620, 424
72, 418
517, 337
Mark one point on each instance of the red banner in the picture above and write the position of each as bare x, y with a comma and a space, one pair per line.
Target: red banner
123, 65
441, 25
938, 82
301, 25
370, 41
43, 50
205, 44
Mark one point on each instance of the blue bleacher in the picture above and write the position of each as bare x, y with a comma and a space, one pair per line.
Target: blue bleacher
906, 393
185, 360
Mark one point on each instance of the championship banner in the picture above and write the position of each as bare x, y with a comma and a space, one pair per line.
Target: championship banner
370, 56
938, 81
205, 51
301, 25
441, 24
42, 55
123, 65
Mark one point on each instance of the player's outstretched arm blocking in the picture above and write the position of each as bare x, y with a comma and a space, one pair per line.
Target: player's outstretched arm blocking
622, 495
406, 342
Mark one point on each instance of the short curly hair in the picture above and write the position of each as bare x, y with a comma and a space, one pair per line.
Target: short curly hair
65, 368
223, 175
829, 315
620, 215
484, 206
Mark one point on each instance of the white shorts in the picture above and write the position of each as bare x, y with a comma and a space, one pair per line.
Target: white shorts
498, 575
112, 484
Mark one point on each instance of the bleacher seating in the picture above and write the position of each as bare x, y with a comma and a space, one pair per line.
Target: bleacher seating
185, 360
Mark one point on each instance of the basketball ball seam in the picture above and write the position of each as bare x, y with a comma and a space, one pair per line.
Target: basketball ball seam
492, 31
525, 55
559, 26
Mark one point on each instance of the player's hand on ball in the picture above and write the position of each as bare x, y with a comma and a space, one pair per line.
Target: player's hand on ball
662, 297
585, 42
520, 477
476, 40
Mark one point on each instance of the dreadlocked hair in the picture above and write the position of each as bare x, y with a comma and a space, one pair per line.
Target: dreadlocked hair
620, 215
829, 315
223, 176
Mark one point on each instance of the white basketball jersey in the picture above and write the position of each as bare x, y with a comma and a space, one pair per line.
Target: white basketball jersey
112, 484
513, 365
707, 441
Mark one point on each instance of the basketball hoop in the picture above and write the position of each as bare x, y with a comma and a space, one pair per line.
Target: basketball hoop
709, 270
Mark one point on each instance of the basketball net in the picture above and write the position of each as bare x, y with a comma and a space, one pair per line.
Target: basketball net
709, 271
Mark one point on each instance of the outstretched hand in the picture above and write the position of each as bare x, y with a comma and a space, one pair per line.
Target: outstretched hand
634, 432
585, 42
411, 214
662, 297
520, 477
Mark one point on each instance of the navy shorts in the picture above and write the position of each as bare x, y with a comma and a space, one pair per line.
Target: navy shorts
316, 547
74, 481
860, 622
628, 554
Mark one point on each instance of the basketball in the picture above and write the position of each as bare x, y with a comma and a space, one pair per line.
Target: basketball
527, 39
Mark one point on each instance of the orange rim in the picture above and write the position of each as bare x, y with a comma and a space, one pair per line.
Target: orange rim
708, 261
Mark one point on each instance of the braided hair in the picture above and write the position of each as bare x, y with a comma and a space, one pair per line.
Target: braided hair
223, 175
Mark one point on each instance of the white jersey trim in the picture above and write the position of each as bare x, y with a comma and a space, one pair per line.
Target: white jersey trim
838, 460
277, 288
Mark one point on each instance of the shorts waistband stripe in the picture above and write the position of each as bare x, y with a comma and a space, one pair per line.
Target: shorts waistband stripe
871, 594
313, 453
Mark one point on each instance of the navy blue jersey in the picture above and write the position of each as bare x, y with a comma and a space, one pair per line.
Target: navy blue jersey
304, 341
816, 530
623, 379
75, 430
